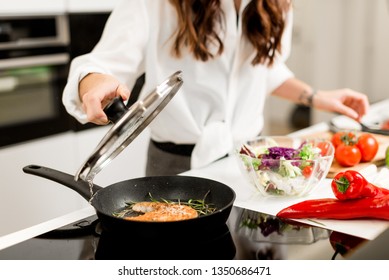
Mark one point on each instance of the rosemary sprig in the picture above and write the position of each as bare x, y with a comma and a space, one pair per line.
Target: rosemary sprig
125, 212
199, 205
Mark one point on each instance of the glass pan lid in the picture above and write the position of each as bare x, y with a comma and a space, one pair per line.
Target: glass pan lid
129, 126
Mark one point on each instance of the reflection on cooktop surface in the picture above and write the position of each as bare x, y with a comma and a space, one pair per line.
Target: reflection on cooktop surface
86, 240
115, 246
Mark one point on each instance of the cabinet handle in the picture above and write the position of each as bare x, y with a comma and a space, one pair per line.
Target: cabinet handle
40, 60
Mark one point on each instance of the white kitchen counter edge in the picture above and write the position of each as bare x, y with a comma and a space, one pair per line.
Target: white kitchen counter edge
31, 232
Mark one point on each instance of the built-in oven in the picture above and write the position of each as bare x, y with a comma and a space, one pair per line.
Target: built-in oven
34, 63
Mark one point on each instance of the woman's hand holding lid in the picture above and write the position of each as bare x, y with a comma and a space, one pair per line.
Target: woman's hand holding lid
96, 91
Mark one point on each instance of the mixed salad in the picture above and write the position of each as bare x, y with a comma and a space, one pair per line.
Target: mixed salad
283, 170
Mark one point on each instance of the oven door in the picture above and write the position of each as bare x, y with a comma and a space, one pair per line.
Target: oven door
34, 64
30, 97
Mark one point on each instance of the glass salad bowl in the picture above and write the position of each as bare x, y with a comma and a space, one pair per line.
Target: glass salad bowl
285, 166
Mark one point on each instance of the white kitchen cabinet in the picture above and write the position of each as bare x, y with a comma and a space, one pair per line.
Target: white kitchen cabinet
27, 200
33, 7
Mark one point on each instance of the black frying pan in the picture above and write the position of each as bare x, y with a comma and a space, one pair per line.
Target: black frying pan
114, 197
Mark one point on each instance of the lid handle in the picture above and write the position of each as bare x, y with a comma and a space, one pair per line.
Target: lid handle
115, 109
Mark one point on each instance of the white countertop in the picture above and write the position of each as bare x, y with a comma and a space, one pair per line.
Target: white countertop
226, 171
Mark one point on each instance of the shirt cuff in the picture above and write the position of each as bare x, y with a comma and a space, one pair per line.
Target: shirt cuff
70, 97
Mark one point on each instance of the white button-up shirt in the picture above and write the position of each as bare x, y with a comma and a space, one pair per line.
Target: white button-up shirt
221, 100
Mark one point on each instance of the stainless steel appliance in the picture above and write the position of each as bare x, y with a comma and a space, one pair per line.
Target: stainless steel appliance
34, 61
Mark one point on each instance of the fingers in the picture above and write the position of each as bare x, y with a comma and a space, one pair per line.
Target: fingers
357, 102
347, 111
347, 102
97, 98
93, 108
353, 104
123, 92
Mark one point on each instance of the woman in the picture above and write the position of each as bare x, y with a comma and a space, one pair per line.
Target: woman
232, 55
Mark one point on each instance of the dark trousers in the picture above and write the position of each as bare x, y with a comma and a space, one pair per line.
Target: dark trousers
162, 163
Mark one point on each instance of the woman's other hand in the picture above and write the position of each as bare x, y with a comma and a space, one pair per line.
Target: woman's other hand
96, 91
348, 102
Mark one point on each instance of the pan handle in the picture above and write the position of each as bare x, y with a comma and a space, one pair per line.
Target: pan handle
81, 187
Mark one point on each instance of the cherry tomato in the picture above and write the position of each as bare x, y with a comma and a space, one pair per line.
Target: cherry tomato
343, 137
307, 171
336, 139
347, 155
323, 146
368, 145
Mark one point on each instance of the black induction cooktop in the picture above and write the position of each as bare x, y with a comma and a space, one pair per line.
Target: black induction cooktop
247, 235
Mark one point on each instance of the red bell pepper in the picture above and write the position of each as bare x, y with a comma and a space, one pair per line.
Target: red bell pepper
331, 208
351, 184
355, 198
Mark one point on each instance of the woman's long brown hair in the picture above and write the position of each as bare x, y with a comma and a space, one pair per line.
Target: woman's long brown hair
200, 20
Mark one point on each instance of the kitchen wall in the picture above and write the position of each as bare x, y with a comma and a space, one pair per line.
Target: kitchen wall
337, 44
